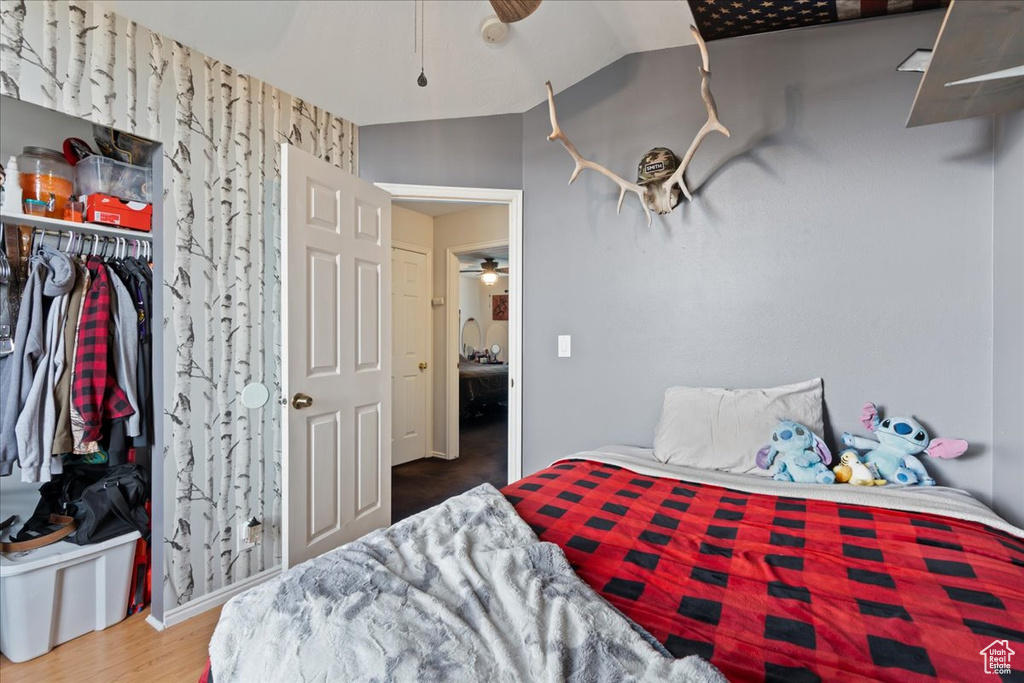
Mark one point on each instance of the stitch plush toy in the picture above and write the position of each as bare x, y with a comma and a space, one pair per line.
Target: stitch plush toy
899, 440
795, 453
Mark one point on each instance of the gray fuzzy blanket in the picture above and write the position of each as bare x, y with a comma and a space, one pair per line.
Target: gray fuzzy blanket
461, 592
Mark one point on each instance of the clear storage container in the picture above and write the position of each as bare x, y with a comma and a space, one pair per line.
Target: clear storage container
45, 176
100, 175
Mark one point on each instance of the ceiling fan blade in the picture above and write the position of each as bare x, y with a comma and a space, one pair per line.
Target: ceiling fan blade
511, 11
503, 271
477, 270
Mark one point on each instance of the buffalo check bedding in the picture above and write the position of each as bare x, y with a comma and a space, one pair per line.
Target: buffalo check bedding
779, 582
787, 588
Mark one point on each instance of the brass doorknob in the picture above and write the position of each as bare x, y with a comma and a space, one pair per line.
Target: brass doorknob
423, 366
300, 401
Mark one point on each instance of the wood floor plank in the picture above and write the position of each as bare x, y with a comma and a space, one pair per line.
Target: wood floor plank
130, 651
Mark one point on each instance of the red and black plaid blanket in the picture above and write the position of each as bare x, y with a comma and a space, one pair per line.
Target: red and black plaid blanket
785, 589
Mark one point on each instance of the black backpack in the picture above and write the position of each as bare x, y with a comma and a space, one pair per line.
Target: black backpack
87, 505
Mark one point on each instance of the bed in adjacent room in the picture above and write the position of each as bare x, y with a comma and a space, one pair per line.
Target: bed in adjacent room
481, 385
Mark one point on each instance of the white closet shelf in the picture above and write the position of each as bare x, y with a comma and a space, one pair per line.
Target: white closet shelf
44, 223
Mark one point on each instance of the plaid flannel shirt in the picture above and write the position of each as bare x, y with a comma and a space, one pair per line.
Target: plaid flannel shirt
94, 392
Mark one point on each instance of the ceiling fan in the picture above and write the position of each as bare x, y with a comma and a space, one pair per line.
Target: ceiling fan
489, 271
511, 11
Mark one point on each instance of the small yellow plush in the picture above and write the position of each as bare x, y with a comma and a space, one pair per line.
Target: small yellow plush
843, 473
859, 473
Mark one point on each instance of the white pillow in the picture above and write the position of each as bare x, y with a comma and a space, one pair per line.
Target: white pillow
721, 429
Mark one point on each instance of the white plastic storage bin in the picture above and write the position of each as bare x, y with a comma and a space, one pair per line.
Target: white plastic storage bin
61, 591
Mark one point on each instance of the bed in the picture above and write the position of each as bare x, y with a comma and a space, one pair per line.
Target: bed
783, 582
481, 385
763, 580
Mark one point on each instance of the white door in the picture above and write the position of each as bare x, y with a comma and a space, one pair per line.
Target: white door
336, 277
410, 305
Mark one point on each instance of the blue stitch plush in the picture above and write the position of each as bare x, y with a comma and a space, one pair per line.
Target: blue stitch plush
797, 454
900, 439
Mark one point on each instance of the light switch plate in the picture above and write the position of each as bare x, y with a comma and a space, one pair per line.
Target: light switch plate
564, 345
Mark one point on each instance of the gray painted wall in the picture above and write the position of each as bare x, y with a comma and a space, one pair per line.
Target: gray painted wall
1008, 309
825, 240
483, 151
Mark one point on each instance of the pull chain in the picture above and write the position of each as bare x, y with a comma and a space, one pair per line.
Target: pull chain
422, 80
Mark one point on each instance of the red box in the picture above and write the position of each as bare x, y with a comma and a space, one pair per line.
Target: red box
107, 210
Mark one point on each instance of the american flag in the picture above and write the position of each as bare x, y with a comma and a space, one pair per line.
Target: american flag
729, 18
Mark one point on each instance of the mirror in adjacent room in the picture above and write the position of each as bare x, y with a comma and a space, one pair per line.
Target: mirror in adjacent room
471, 338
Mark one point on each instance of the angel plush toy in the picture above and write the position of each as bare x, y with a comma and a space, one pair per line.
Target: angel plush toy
900, 439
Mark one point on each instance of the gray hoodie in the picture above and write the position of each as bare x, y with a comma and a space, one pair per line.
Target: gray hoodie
37, 420
28, 347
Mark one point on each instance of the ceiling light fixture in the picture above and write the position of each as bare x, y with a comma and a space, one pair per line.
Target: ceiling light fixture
488, 277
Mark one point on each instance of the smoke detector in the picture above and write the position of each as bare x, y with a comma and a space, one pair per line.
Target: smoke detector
493, 30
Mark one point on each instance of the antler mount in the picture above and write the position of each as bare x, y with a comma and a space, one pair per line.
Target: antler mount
657, 196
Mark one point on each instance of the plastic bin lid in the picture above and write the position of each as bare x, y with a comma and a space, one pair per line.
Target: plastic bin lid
13, 564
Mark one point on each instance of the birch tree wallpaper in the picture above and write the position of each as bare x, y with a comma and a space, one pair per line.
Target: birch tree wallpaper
221, 131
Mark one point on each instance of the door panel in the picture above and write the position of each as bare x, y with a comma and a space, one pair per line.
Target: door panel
411, 383
336, 262
368, 470
324, 312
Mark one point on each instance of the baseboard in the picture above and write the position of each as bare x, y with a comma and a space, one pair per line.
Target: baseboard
438, 454
155, 623
176, 615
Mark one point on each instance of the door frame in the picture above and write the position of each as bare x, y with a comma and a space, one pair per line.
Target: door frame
429, 253
513, 200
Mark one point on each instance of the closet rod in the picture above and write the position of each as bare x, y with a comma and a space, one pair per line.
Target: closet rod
105, 240
44, 223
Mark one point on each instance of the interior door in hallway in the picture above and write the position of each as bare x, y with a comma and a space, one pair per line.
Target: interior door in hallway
410, 381
336, 280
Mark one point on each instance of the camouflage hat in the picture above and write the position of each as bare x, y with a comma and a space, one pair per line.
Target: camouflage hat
657, 165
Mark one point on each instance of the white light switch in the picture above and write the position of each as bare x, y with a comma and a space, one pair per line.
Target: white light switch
564, 345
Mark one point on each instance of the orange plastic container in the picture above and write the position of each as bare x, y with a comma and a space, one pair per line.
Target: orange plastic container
47, 177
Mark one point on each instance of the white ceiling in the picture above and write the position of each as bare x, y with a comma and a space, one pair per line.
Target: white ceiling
356, 58
473, 258
436, 208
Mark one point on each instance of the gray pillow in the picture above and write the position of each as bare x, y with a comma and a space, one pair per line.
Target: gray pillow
721, 429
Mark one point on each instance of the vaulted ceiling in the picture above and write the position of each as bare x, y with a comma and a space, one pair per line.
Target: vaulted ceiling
356, 58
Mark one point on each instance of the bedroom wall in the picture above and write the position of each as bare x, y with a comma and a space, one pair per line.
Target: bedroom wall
412, 227
469, 305
1008, 318
475, 302
825, 239
483, 151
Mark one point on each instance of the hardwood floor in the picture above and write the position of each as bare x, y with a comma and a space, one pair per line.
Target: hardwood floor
483, 456
131, 651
